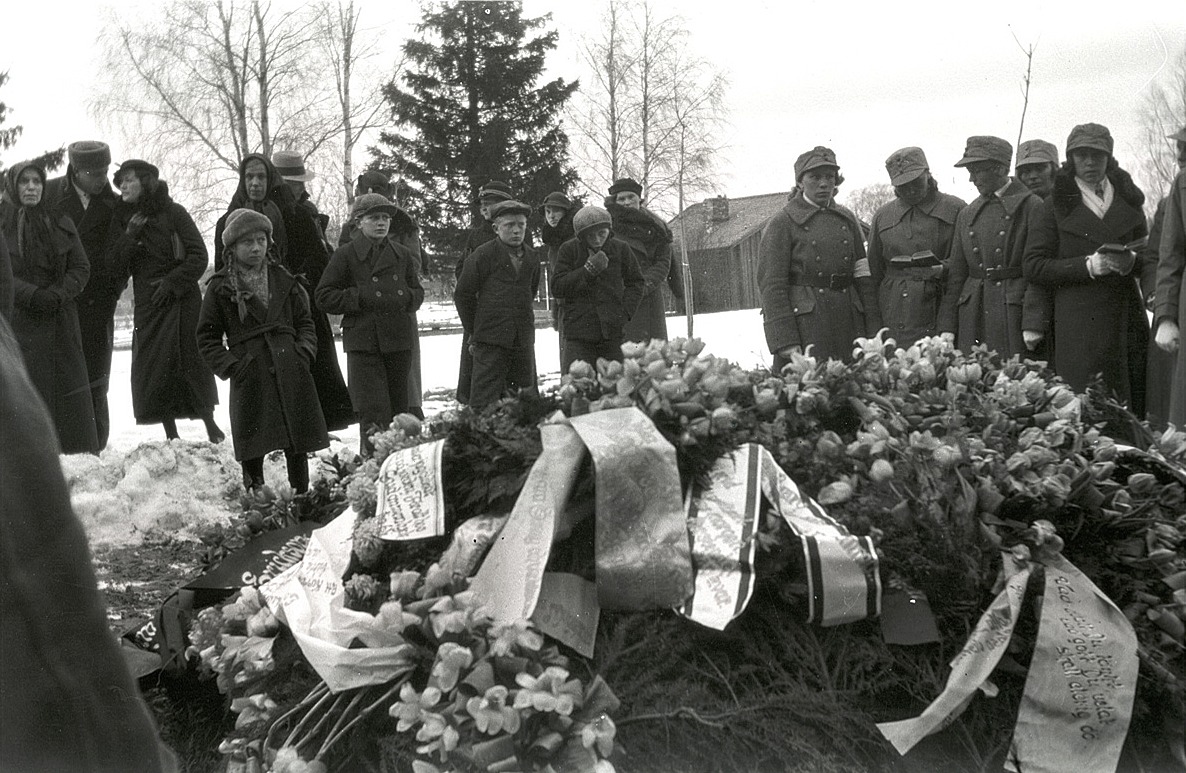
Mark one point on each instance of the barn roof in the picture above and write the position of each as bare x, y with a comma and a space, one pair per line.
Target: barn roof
746, 215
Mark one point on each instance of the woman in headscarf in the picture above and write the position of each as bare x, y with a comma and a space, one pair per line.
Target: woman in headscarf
158, 244
262, 189
1087, 255
270, 342
49, 269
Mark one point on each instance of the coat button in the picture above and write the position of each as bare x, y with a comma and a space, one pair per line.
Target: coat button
380, 295
399, 292
975, 249
905, 295
1000, 233
374, 279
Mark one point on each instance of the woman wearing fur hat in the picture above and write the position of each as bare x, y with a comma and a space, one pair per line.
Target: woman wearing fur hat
49, 270
262, 189
650, 239
600, 284
262, 312
1099, 322
816, 286
157, 242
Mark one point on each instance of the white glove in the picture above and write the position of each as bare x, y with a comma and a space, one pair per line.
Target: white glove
1032, 338
1098, 264
1168, 336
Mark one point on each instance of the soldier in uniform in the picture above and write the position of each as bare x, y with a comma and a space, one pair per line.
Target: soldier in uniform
909, 239
988, 300
1037, 161
816, 286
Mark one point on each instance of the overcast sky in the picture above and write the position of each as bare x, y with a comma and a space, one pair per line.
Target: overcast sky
864, 78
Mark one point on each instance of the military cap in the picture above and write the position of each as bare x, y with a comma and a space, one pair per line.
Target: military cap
89, 155
813, 159
981, 147
368, 203
495, 190
1036, 152
509, 207
905, 165
623, 185
1090, 135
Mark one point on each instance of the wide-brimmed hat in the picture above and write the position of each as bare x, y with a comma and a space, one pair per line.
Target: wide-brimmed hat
906, 165
1090, 135
814, 159
495, 190
368, 203
590, 217
1037, 152
510, 207
982, 147
625, 184
244, 221
89, 155
291, 166
136, 166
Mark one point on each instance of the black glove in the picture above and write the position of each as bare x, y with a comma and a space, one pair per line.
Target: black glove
45, 301
136, 224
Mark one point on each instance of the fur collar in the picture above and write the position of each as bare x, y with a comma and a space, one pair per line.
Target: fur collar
639, 224
1066, 195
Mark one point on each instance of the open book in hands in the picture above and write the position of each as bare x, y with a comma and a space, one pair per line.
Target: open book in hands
1121, 257
922, 259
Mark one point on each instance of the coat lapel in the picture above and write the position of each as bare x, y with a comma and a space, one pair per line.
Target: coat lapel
279, 286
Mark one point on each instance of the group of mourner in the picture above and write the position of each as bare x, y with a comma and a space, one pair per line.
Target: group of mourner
1055, 263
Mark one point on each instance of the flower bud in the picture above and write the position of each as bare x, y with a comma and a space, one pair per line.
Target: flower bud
881, 470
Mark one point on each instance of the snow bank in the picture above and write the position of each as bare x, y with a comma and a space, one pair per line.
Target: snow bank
172, 486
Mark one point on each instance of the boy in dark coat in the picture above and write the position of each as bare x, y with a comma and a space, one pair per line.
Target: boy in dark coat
494, 298
600, 283
263, 313
372, 281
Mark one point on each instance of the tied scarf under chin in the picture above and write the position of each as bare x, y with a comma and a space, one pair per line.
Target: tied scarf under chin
249, 287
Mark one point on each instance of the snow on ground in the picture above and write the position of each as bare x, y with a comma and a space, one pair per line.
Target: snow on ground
141, 481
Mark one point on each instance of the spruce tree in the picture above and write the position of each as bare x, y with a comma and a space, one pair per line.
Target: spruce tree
468, 110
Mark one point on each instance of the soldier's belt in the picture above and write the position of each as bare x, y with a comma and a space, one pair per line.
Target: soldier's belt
828, 281
995, 274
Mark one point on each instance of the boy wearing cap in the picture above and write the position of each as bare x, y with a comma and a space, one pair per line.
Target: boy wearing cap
489, 194
600, 284
1037, 160
1099, 324
649, 239
816, 286
85, 195
494, 298
262, 312
373, 283
909, 239
987, 299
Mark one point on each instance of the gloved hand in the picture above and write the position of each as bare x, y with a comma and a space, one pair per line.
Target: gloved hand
597, 262
1098, 265
1032, 338
136, 224
1168, 336
45, 301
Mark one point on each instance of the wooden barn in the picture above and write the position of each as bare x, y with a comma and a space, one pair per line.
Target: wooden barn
722, 238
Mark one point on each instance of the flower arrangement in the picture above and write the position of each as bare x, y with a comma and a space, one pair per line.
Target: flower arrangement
944, 458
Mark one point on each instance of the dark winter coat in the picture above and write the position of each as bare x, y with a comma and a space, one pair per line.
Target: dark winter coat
266, 355
170, 380
494, 301
69, 704
596, 307
306, 248
49, 338
987, 299
908, 297
1170, 301
106, 283
807, 264
650, 239
278, 199
1099, 325
376, 289
7, 292
1159, 375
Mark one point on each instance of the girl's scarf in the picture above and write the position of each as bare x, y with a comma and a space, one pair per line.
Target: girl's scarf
249, 288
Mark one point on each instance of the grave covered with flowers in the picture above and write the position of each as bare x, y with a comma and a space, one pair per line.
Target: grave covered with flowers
913, 560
